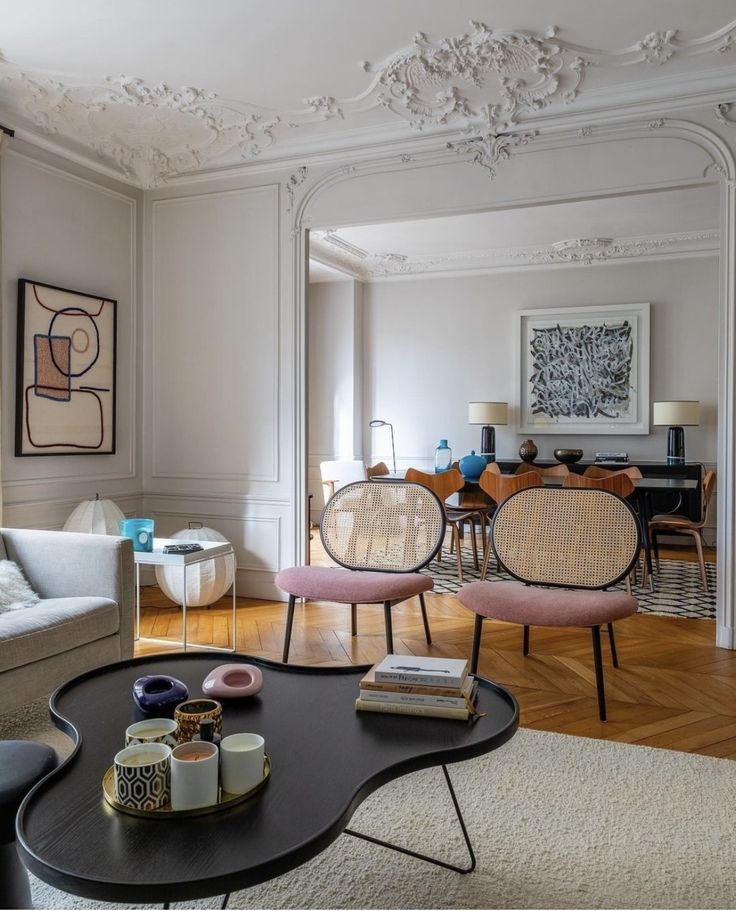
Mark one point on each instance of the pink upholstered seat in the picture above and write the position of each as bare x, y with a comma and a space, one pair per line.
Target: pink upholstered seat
516, 603
349, 587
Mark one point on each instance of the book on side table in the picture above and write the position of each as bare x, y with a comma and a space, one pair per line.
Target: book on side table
435, 687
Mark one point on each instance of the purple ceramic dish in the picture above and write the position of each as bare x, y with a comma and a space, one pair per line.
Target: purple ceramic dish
231, 681
159, 694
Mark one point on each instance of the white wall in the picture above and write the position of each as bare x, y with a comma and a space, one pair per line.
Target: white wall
68, 227
433, 345
335, 378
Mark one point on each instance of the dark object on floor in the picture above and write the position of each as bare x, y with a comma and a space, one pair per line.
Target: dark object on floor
22, 764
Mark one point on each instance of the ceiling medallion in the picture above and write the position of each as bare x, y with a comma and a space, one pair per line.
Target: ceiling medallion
483, 82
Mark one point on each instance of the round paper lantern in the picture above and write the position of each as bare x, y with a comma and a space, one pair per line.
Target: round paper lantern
206, 581
95, 517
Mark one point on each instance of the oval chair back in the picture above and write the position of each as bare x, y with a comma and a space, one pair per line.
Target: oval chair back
618, 483
572, 538
387, 526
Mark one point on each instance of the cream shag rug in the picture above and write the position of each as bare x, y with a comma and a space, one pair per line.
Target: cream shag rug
557, 822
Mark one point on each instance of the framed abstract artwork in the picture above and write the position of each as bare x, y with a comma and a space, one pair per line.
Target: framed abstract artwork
584, 369
65, 372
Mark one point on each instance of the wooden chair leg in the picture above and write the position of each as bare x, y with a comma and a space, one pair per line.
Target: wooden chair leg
474, 543
425, 620
477, 630
526, 640
701, 559
353, 619
458, 549
289, 624
612, 643
389, 628
486, 559
598, 660
654, 542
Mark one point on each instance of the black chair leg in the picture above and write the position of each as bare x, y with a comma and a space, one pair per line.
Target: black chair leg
353, 619
389, 628
655, 547
476, 644
612, 642
289, 624
526, 641
425, 620
598, 659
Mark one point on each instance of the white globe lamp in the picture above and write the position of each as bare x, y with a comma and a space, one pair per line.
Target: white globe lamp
207, 581
95, 517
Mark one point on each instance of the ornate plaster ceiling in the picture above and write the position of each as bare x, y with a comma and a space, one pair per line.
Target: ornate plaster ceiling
208, 86
652, 225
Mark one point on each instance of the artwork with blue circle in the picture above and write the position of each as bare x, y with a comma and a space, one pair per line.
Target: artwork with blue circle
65, 373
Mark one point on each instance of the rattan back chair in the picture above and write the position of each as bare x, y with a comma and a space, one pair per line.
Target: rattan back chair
384, 533
567, 545
444, 484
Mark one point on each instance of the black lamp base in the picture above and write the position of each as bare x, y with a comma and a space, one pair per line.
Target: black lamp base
676, 446
488, 443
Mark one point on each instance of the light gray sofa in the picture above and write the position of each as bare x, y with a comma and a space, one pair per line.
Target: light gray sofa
85, 618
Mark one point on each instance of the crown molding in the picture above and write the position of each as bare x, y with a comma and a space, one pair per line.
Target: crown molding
485, 83
328, 248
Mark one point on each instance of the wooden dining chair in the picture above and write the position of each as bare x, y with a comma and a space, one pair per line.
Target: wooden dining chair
500, 487
554, 471
377, 470
595, 471
444, 484
618, 483
673, 524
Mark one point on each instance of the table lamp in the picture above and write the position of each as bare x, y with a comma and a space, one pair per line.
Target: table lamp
676, 415
378, 423
488, 414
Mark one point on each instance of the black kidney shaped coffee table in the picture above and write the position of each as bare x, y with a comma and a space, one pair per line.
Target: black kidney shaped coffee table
326, 758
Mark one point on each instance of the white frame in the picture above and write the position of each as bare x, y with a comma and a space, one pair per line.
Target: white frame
638, 420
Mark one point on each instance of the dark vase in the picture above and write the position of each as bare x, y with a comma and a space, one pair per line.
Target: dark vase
528, 451
159, 695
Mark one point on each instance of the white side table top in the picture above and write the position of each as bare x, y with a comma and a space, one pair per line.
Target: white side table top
157, 556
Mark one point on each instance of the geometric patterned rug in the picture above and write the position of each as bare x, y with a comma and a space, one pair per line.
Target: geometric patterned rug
678, 591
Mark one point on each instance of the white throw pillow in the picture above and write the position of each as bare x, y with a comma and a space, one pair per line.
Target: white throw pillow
15, 592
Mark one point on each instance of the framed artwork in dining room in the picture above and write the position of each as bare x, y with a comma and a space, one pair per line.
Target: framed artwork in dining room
65, 372
584, 369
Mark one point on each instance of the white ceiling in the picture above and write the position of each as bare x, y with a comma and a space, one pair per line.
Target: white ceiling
266, 58
673, 221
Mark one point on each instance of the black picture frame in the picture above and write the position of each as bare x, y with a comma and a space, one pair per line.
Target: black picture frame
53, 355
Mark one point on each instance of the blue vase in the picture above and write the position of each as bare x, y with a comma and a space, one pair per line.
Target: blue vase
158, 695
472, 466
140, 532
442, 457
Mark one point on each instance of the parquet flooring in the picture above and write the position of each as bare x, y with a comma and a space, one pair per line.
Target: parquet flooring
674, 688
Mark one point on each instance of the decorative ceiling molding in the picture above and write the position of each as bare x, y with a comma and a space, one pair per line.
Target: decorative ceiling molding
329, 248
482, 82
723, 113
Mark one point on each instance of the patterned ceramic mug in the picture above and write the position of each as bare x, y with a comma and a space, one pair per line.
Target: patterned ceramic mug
190, 713
152, 730
143, 776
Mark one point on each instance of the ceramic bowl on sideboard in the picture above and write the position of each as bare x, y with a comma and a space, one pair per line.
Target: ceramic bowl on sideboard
568, 456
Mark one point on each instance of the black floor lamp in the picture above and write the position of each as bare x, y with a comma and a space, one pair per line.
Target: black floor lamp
391, 427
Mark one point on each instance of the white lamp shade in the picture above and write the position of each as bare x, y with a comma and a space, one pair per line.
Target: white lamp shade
207, 581
488, 413
676, 414
95, 517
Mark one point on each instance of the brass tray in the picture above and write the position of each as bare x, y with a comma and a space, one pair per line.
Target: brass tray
165, 812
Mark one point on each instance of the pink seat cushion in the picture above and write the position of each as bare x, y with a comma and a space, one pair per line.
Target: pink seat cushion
323, 583
534, 606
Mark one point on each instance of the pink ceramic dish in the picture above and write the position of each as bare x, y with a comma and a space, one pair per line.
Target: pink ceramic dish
230, 681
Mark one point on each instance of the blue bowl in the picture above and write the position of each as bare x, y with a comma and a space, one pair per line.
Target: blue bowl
158, 694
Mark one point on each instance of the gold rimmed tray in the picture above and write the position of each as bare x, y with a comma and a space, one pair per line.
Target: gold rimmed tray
165, 812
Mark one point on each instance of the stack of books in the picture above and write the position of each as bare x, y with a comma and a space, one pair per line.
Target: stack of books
612, 457
406, 685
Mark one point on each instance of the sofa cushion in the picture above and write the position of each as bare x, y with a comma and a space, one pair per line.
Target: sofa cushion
53, 626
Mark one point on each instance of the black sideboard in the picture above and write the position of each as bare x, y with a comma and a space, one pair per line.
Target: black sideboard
685, 503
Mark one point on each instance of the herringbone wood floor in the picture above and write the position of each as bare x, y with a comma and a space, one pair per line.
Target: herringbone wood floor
674, 688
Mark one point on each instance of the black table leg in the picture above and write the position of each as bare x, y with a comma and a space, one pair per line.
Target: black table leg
426, 857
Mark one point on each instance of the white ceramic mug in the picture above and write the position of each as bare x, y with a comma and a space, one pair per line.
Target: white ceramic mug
241, 762
142, 776
152, 730
194, 775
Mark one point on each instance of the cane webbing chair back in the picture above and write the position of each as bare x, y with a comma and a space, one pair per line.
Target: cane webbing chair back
500, 487
619, 483
566, 537
386, 526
